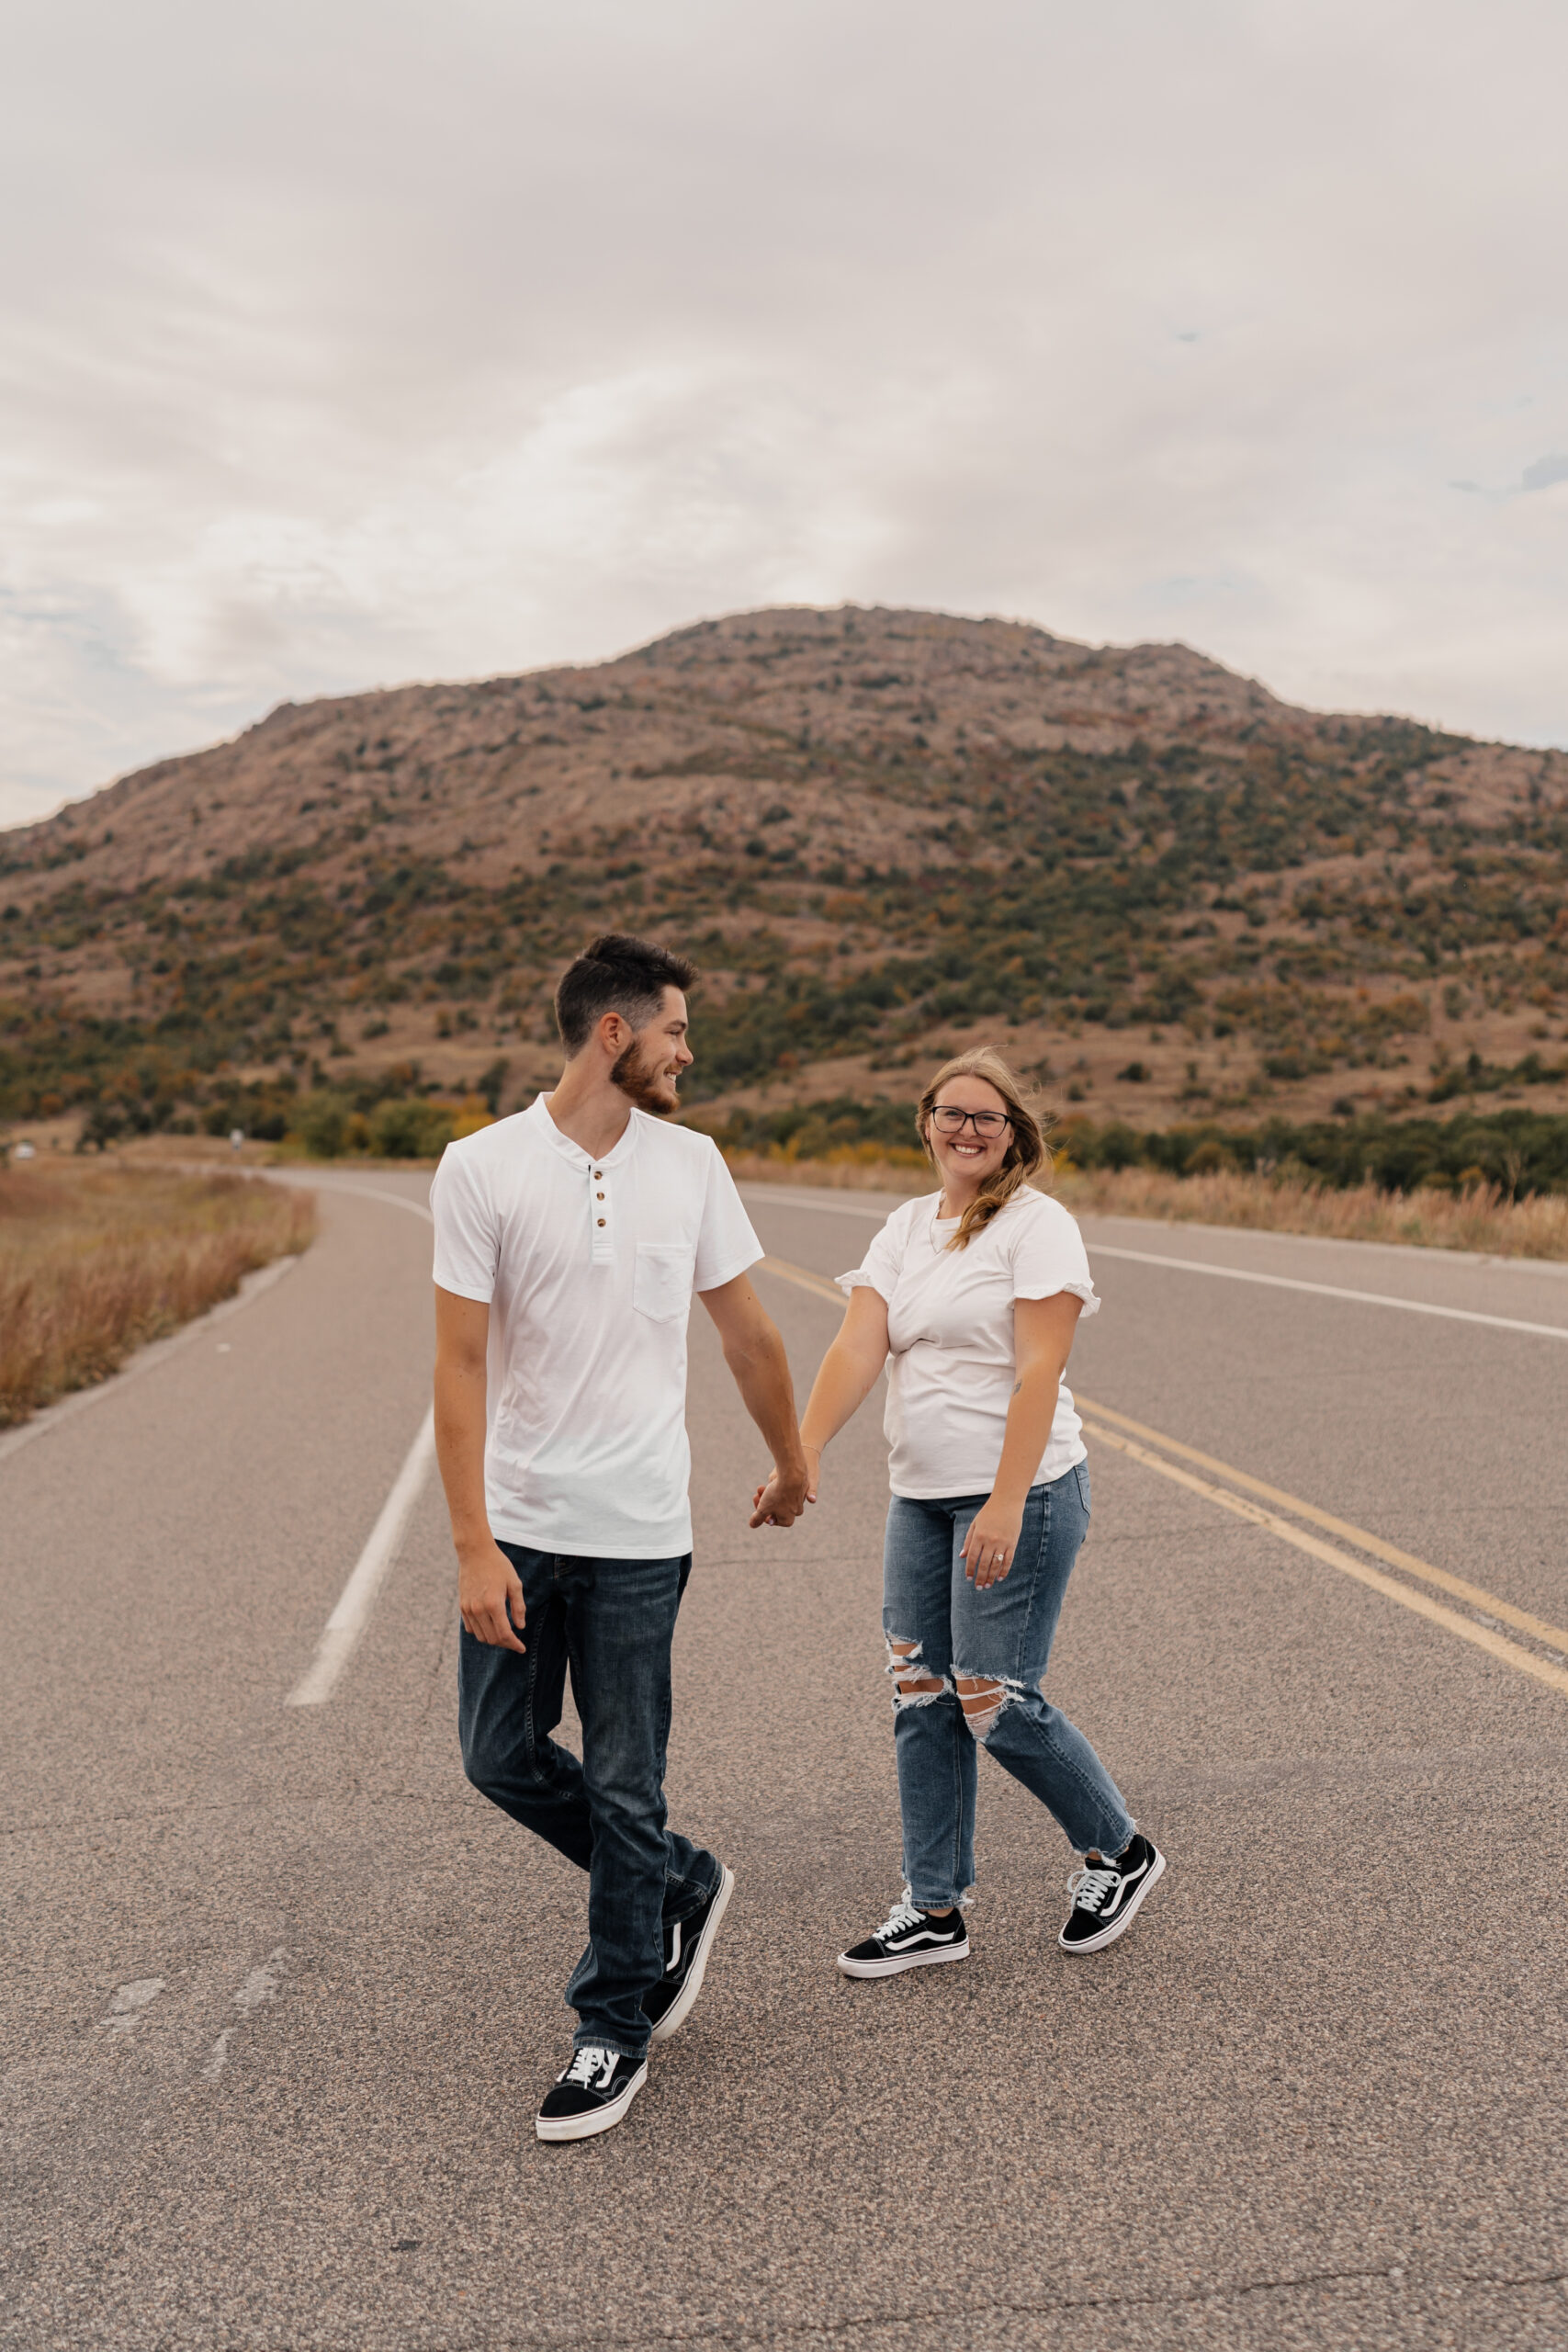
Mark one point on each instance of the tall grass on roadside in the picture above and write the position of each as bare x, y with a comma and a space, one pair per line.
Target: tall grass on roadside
95, 1260
1481, 1218
854, 1167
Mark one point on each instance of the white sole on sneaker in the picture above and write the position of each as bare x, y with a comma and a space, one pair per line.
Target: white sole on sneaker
896, 1967
1118, 1926
676, 2015
598, 2118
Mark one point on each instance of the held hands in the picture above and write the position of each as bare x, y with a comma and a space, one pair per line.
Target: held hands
782, 1497
490, 1596
989, 1545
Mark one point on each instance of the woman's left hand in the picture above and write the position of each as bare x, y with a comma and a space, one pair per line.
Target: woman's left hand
989, 1545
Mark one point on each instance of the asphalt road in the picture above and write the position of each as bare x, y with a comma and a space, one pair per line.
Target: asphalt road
281, 1992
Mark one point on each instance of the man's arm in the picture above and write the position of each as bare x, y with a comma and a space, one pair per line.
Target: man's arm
488, 1584
759, 1369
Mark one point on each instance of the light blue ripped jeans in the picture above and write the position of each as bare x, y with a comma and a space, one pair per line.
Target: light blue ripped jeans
1001, 1633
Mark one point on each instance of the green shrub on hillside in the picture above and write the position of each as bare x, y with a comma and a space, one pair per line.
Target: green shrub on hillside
330, 1125
810, 1130
411, 1130
1519, 1151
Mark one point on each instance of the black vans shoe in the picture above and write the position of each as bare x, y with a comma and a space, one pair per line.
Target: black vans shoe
1106, 1897
907, 1939
687, 1944
592, 2095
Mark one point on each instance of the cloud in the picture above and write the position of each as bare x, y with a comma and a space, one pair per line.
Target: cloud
363, 343
1544, 473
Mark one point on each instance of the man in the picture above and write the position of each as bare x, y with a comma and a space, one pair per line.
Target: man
568, 1240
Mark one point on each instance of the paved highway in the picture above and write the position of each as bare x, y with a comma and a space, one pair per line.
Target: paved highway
281, 1991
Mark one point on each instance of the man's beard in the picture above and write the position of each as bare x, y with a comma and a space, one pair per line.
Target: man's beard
649, 1089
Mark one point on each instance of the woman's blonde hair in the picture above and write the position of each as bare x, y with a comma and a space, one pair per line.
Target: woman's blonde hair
1027, 1150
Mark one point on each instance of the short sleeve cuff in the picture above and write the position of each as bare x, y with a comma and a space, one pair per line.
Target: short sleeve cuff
1085, 1291
465, 1290
740, 1266
860, 1280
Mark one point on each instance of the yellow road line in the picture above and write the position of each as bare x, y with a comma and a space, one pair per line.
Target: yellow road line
1481, 1636
818, 1283
1475, 1594
1510, 1652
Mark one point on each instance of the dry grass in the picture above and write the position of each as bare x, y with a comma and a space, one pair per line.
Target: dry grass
1480, 1218
95, 1260
855, 1168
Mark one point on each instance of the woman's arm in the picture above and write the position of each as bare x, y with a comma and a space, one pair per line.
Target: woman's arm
1042, 1341
843, 1381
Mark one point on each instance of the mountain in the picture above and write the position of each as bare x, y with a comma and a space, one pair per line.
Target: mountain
883, 834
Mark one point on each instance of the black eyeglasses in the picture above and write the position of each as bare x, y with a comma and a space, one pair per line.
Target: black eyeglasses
949, 1120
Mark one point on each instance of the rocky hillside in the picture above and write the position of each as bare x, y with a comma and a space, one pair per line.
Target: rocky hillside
882, 832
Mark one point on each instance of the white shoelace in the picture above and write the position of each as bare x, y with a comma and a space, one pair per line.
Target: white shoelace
589, 2065
1088, 1888
902, 1916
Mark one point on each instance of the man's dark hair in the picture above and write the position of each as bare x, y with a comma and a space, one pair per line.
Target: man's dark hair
616, 974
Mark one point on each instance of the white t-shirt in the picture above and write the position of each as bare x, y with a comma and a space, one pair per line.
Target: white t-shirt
950, 1326
588, 1267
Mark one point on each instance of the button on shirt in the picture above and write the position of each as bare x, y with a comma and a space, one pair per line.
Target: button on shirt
588, 1266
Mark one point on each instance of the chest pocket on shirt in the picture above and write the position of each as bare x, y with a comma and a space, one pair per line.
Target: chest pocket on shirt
661, 1284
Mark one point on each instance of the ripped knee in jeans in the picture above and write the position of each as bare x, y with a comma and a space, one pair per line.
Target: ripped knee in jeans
983, 1698
912, 1685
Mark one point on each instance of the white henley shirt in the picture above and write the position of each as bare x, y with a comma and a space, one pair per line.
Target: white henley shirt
588, 1267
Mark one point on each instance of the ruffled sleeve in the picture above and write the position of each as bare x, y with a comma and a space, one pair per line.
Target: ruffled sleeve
1049, 1257
880, 1268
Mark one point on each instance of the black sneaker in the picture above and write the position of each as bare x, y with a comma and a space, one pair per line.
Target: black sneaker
594, 2093
687, 1944
907, 1939
1106, 1897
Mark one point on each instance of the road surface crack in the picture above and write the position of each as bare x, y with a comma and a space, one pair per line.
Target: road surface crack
1392, 2274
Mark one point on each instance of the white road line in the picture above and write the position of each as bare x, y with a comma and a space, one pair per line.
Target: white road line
146, 1359
1409, 1253
259, 1987
128, 2004
366, 1192
1332, 1290
349, 1619
805, 1196
779, 1195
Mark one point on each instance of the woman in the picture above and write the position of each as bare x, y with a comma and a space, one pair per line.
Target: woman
973, 1295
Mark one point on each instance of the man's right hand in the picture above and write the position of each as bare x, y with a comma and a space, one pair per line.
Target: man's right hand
782, 1497
489, 1594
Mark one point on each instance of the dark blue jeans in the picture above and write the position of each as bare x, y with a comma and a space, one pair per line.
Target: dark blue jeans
611, 1621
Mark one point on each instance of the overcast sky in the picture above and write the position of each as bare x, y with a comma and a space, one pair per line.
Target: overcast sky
353, 342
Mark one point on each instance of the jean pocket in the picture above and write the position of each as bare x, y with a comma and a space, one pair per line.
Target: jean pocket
1080, 1472
661, 1281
